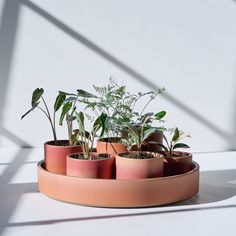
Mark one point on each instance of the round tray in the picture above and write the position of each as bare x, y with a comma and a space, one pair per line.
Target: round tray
119, 193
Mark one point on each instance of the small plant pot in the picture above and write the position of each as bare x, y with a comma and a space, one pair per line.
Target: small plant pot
96, 168
112, 146
153, 147
55, 155
180, 163
134, 168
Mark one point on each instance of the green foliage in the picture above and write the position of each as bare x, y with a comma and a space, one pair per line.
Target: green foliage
120, 107
174, 143
87, 138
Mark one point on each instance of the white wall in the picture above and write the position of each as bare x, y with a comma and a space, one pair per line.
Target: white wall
186, 46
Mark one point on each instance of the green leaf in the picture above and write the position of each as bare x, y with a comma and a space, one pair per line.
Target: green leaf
101, 122
80, 120
31, 109
59, 101
85, 94
38, 92
160, 144
125, 142
148, 132
176, 135
180, 145
160, 115
65, 109
67, 94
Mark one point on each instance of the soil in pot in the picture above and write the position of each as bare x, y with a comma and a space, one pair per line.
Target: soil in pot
179, 163
55, 155
111, 145
145, 165
100, 166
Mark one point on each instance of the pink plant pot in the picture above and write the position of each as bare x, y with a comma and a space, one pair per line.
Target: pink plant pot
133, 168
55, 155
84, 168
106, 145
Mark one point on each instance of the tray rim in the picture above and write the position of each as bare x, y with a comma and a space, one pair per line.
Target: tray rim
103, 204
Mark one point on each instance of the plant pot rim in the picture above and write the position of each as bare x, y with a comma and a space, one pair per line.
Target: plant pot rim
51, 143
102, 140
159, 155
109, 156
186, 154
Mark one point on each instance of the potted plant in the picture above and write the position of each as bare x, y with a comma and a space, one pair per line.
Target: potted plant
89, 164
138, 164
175, 162
56, 150
119, 105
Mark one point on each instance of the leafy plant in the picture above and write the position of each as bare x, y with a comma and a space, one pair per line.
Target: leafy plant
119, 105
174, 143
87, 138
38, 100
68, 111
139, 132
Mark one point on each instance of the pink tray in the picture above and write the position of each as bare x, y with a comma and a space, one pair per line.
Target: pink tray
119, 193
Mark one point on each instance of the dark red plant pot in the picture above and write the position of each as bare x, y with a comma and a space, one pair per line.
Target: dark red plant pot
180, 163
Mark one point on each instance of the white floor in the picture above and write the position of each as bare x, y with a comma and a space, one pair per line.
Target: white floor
25, 211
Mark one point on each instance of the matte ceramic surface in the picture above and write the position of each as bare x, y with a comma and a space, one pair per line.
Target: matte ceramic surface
102, 168
178, 164
110, 147
133, 168
55, 156
119, 193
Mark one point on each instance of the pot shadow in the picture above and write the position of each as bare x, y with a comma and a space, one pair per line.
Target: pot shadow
214, 186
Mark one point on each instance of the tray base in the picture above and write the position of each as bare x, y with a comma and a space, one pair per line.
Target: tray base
119, 193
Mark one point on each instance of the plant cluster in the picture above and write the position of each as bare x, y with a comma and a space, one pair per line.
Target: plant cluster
114, 113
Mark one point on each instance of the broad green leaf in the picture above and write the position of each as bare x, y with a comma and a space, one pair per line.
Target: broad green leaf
160, 144
31, 109
148, 132
160, 115
125, 142
59, 101
180, 145
85, 94
176, 135
101, 122
67, 94
65, 109
80, 120
38, 92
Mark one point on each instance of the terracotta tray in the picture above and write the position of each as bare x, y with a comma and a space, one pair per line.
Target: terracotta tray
119, 193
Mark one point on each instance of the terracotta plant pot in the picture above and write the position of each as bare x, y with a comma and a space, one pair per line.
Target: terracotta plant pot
55, 155
152, 147
180, 163
112, 146
133, 168
96, 168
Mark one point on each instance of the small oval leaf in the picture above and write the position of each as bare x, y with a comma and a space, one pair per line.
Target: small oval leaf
38, 92
65, 109
160, 115
59, 101
82, 93
176, 135
180, 145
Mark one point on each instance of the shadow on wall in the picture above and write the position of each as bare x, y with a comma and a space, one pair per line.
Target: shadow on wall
7, 38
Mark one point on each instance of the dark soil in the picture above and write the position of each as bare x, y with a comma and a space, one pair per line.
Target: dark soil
94, 157
60, 143
139, 155
111, 140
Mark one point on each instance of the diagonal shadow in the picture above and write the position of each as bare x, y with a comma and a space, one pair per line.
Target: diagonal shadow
8, 30
147, 82
49, 222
